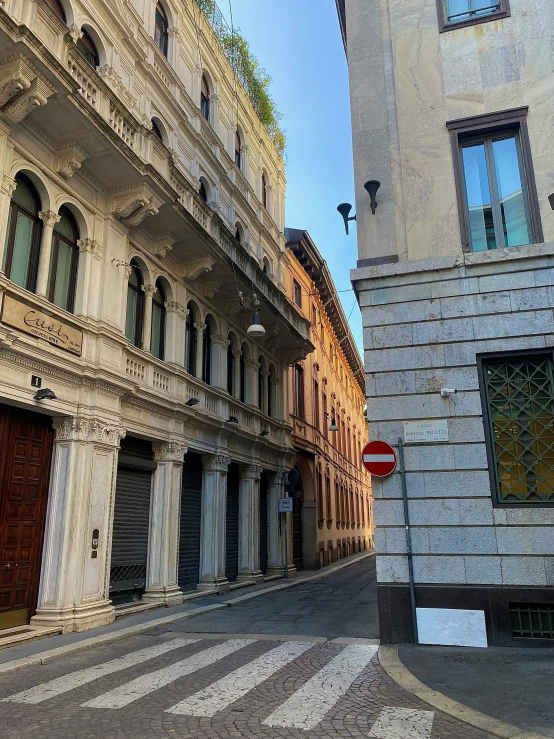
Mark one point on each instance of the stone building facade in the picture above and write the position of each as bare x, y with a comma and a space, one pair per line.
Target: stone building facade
140, 197
452, 107
333, 517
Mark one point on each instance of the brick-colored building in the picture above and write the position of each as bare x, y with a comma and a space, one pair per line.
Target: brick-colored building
333, 517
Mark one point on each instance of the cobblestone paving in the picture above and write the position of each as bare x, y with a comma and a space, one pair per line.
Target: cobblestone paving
343, 693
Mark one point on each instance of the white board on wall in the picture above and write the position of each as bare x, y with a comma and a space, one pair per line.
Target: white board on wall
453, 627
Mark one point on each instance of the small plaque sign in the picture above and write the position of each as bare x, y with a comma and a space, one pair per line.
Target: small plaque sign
31, 320
425, 432
285, 505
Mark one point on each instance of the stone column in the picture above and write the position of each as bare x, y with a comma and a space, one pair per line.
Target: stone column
148, 291
74, 583
88, 273
251, 372
219, 361
265, 395
175, 332
163, 545
49, 220
236, 373
249, 524
199, 349
212, 543
275, 490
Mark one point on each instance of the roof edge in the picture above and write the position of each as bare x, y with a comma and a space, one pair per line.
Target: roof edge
341, 12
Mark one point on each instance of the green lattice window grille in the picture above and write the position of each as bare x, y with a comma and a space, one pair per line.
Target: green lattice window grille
532, 620
520, 407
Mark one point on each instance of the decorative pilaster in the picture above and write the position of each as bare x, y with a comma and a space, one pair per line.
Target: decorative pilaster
199, 349
275, 551
251, 371
49, 220
214, 503
7, 187
74, 593
236, 373
249, 524
148, 291
163, 547
219, 360
175, 332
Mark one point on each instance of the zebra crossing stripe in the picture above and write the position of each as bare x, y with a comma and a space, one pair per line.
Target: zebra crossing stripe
74, 680
307, 707
236, 684
148, 683
403, 723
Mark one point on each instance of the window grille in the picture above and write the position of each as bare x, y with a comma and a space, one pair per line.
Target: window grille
519, 396
532, 620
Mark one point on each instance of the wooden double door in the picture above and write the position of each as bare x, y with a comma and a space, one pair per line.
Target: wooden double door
25, 458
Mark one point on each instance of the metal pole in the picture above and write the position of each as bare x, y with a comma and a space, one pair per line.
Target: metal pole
286, 546
408, 537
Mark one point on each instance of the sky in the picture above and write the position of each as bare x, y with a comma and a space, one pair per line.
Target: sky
298, 43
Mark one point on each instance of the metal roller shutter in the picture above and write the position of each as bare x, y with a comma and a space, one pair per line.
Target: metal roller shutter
232, 524
191, 515
131, 521
263, 523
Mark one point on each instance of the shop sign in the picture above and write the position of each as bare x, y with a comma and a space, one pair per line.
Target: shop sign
36, 322
425, 432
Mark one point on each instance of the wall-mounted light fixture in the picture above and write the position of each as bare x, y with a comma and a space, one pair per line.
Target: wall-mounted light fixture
372, 186
233, 419
264, 433
192, 401
344, 208
45, 394
333, 426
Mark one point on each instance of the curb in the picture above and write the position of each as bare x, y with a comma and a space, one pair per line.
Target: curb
390, 661
95, 641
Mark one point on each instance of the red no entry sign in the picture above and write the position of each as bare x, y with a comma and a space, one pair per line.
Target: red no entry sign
379, 458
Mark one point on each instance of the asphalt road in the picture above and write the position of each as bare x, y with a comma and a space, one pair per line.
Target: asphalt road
343, 604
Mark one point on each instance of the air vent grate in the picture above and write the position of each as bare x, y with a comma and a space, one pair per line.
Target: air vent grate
532, 620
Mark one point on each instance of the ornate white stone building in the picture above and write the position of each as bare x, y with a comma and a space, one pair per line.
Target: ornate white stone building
143, 433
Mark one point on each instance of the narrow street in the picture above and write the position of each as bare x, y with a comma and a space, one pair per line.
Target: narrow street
297, 663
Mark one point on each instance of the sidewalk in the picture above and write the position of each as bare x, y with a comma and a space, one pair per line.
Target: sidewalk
45, 650
508, 686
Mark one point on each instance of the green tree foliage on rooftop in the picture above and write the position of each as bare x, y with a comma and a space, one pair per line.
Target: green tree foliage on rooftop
253, 78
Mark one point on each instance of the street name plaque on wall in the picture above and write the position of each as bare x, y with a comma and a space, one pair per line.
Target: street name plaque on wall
31, 320
425, 432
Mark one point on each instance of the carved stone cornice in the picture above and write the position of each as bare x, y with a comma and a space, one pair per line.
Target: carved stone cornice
77, 428
175, 307
163, 244
193, 268
8, 185
251, 471
91, 246
220, 340
216, 462
49, 218
69, 159
170, 451
75, 32
136, 203
33, 97
16, 75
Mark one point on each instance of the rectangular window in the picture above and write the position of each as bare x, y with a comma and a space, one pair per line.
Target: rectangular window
316, 404
497, 198
297, 293
299, 391
456, 13
518, 394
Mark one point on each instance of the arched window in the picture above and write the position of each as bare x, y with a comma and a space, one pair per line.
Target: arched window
24, 232
337, 502
319, 498
238, 233
205, 98
161, 29
190, 342
329, 505
238, 146
88, 49
135, 306
157, 343
207, 353
242, 375
58, 9
64, 261
265, 190
203, 192
156, 130
230, 368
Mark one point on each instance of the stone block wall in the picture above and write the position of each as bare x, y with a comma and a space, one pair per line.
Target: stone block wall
424, 324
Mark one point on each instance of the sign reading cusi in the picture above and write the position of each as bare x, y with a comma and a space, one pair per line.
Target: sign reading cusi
32, 320
379, 458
